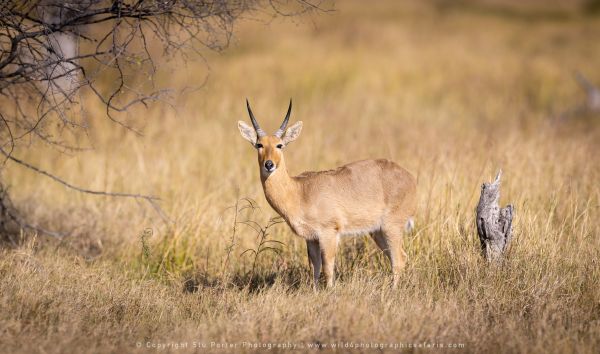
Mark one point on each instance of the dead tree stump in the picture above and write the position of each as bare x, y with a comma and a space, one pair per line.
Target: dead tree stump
494, 224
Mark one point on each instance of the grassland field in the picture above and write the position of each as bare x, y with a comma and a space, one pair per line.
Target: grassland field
451, 92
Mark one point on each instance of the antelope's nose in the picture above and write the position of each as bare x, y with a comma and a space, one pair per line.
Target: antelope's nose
269, 165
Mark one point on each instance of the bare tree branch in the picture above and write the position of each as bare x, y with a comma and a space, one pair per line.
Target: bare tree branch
53, 52
71, 186
591, 104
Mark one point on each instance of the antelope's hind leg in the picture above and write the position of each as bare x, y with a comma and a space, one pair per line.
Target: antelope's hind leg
382, 243
389, 240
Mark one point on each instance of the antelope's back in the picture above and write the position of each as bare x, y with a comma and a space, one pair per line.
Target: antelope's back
368, 184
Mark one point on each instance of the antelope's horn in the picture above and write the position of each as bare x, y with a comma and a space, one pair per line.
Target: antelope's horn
259, 132
279, 133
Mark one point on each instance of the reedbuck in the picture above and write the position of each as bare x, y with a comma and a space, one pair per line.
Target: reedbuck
370, 196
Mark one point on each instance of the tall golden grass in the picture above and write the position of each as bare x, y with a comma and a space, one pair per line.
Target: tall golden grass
452, 94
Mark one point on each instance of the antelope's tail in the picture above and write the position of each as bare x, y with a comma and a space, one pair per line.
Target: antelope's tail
410, 225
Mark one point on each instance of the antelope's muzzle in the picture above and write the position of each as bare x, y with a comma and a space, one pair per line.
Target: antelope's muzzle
269, 166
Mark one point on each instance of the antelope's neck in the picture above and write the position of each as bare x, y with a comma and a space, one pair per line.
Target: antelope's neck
282, 192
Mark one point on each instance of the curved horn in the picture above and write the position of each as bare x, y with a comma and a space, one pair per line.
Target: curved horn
259, 132
281, 129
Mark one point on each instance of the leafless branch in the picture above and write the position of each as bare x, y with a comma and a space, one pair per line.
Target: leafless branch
591, 104
54, 52
152, 200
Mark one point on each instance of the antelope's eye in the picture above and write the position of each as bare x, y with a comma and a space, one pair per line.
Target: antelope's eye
279, 146
259, 146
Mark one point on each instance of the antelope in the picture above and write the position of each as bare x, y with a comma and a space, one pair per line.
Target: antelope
377, 197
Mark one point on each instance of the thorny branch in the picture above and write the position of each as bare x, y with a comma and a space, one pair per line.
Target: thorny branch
54, 53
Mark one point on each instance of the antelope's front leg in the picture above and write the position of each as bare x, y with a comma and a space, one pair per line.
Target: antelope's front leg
328, 244
314, 258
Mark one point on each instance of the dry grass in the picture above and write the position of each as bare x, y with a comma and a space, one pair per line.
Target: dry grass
452, 96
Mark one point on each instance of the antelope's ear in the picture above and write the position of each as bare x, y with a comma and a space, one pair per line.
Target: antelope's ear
247, 132
292, 133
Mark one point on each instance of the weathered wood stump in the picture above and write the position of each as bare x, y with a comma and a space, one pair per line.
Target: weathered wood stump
494, 224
